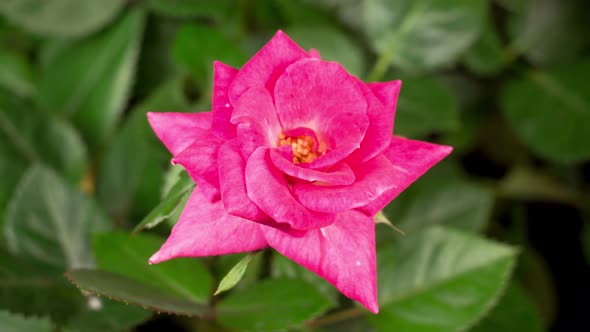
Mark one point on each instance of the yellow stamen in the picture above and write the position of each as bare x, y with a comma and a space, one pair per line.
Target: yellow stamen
303, 147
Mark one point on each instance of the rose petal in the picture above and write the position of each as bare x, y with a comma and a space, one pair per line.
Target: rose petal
200, 161
222, 108
373, 178
256, 120
267, 65
314, 53
387, 93
177, 130
322, 96
339, 174
206, 229
249, 138
343, 254
269, 190
410, 159
232, 169
382, 100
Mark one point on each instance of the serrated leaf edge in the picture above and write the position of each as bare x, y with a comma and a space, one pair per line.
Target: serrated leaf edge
158, 311
312, 316
494, 301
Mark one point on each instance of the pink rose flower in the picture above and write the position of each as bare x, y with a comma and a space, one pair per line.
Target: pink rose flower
297, 155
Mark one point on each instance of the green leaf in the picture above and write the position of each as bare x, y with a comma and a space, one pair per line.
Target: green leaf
50, 50
350, 12
197, 46
16, 74
33, 288
169, 204
282, 267
90, 80
346, 325
175, 178
41, 138
156, 64
418, 35
487, 56
173, 218
51, 222
131, 172
465, 138
223, 264
270, 305
301, 13
16, 323
11, 170
526, 183
549, 31
550, 111
61, 18
442, 197
514, 312
333, 44
101, 314
15, 39
37, 137
439, 280
14, 153
268, 15
121, 288
128, 255
234, 275
536, 275
424, 106
189, 8
517, 6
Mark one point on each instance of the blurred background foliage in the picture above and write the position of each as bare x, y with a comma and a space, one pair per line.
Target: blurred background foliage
497, 235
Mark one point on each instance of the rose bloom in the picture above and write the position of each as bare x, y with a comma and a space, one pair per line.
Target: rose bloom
297, 155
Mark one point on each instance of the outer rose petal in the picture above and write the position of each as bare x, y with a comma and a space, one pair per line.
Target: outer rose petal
269, 190
232, 168
322, 96
314, 53
267, 65
382, 99
339, 174
177, 130
200, 161
222, 108
343, 254
257, 120
205, 229
410, 159
387, 93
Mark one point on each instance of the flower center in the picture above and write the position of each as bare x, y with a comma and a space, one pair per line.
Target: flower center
305, 148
